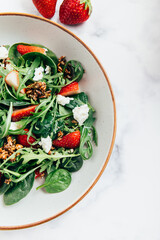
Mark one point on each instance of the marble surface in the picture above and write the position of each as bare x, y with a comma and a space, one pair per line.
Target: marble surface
125, 203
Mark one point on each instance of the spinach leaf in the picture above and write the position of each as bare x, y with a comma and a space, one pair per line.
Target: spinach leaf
19, 190
3, 186
49, 53
57, 181
45, 127
46, 60
72, 164
90, 120
14, 54
79, 99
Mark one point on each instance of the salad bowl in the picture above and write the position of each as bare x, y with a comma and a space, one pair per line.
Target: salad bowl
18, 28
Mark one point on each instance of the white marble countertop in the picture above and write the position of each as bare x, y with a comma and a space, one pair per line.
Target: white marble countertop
125, 203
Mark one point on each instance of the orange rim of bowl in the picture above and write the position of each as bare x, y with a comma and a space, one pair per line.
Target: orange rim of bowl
114, 129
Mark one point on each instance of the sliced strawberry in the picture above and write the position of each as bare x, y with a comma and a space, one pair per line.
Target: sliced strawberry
22, 139
71, 140
39, 174
23, 49
71, 89
12, 79
17, 115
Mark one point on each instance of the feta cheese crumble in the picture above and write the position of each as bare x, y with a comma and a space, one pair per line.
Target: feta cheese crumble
47, 69
38, 74
15, 126
3, 52
81, 113
63, 100
46, 143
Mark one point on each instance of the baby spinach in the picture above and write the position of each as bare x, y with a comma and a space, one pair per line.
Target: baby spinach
14, 55
78, 100
45, 127
19, 190
57, 181
46, 60
3, 186
72, 164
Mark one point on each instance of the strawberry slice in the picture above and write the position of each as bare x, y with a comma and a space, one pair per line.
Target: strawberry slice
23, 49
71, 89
71, 140
39, 174
17, 115
12, 79
22, 139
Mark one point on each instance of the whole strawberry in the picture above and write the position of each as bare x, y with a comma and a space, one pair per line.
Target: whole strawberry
75, 11
46, 7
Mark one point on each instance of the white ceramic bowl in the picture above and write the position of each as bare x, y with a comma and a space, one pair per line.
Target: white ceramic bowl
39, 207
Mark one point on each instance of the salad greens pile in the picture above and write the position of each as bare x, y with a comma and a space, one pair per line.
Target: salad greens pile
19, 165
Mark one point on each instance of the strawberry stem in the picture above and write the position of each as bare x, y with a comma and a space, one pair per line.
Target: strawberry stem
87, 5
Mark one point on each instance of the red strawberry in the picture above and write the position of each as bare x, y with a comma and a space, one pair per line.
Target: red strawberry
71, 140
22, 139
46, 7
38, 173
12, 79
17, 115
23, 49
75, 11
71, 89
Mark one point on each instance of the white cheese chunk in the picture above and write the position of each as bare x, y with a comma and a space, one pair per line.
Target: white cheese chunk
14, 126
38, 74
80, 114
3, 52
46, 144
63, 100
47, 69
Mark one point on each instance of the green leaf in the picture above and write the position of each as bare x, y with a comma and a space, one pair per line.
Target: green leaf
57, 181
45, 127
79, 99
72, 164
76, 69
5, 122
19, 190
86, 149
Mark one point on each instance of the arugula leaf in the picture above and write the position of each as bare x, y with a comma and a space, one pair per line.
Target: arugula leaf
5, 121
76, 70
86, 149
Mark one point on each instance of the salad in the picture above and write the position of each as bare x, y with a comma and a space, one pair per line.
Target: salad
46, 122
